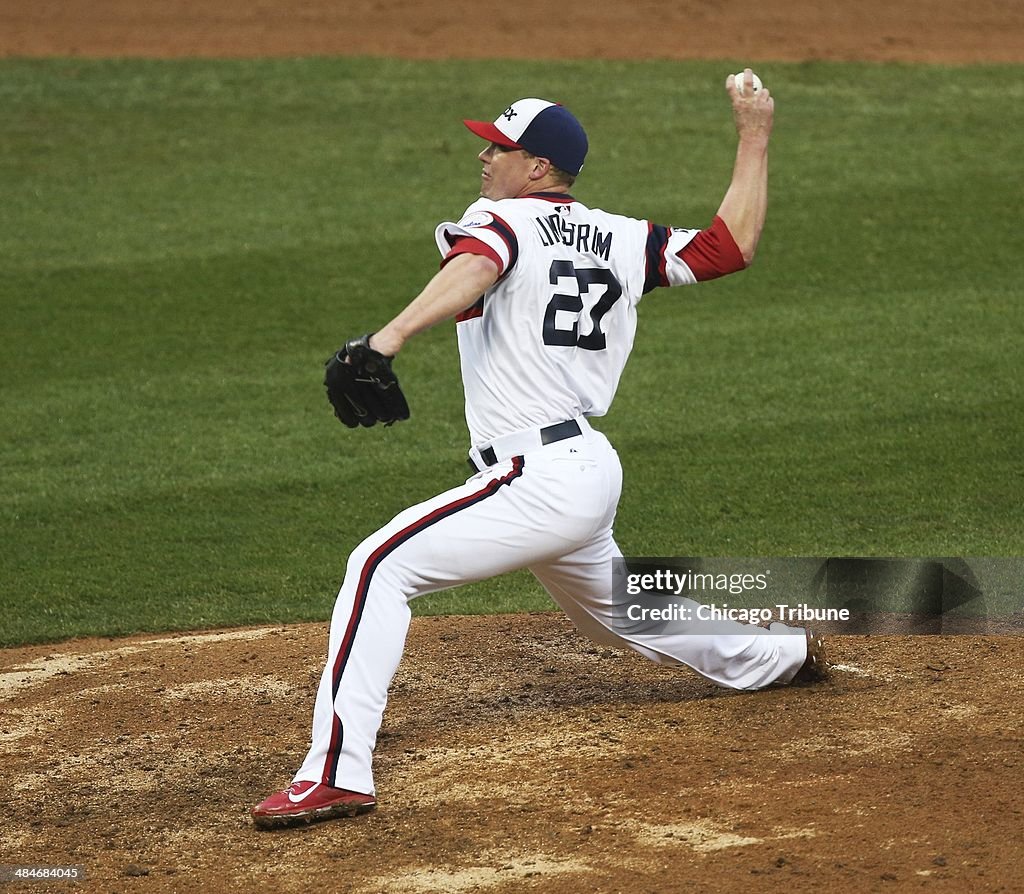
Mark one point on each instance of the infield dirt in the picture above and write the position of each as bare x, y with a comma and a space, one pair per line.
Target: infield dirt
515, 755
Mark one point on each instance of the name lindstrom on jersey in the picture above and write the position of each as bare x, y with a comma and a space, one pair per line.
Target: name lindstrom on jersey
585, 238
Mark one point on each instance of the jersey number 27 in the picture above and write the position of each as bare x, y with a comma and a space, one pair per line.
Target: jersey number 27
585, 278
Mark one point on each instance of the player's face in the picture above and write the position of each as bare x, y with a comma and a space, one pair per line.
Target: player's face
506, 172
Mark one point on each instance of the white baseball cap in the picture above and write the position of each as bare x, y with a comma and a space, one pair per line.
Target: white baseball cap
542, 128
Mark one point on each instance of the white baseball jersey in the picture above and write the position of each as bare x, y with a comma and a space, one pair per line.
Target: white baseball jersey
550, 339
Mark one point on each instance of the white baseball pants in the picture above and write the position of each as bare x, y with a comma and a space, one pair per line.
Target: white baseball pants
550, 510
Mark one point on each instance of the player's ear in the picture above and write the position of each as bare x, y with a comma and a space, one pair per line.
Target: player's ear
541, 168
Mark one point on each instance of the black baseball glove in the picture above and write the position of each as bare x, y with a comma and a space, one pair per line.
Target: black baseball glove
361, 386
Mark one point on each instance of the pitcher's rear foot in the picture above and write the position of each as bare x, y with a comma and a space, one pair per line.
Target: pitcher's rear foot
814, 669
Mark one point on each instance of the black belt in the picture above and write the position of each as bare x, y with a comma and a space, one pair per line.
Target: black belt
551, 434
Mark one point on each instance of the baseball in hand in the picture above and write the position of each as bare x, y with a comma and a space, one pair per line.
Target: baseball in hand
741, 82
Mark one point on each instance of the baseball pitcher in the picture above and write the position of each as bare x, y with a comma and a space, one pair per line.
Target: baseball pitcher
545, 292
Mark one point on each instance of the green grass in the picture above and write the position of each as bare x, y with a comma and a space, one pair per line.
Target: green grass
184, 242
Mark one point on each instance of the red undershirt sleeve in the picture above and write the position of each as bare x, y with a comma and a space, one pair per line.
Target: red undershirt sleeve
467, 245
713, 252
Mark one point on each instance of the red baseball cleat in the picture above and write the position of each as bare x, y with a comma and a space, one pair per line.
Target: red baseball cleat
307, 802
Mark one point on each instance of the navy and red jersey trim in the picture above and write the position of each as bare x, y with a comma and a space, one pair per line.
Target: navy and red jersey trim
657, 242
559, 198
471, 313
488, 490
470, 245
460, 245
508, 235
